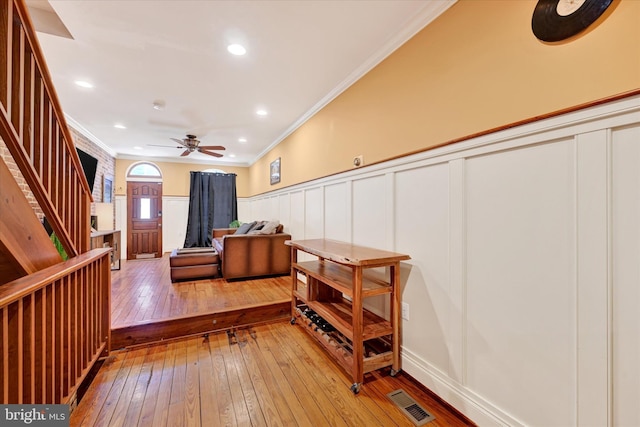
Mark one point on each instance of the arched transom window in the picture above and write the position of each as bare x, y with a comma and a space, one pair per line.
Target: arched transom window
144, 170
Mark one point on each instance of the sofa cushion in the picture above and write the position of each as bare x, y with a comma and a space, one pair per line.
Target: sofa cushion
269, 228
258, 226
218, 244
244, 228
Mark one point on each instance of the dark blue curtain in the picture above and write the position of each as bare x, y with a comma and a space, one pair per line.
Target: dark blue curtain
212, 204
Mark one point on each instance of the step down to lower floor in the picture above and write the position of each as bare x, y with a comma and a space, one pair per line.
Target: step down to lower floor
184, 326
410, 407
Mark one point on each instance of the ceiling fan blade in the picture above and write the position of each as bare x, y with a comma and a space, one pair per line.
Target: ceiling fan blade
179, 142
212, 147
210, 153
185, 153
164, 146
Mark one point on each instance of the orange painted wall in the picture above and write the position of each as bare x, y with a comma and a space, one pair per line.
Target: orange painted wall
176, 177
476, 67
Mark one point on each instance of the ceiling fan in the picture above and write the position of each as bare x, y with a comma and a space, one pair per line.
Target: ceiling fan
191, 143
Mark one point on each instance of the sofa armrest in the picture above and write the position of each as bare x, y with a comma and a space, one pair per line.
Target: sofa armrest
219, 232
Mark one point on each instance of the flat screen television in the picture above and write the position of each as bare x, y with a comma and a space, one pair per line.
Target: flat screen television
89, 165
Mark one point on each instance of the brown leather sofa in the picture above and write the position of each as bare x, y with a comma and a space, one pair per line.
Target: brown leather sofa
251, 255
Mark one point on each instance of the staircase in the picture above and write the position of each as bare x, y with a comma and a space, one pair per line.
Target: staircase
54, 315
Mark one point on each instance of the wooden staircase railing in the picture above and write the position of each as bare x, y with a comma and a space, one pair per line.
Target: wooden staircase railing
54, 319
54, 325
34, 129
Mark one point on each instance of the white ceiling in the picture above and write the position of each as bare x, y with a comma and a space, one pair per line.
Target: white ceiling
300, 55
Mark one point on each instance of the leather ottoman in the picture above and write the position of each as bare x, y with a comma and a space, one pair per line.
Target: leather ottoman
193, 263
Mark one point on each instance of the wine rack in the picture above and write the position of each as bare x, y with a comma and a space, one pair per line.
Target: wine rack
327, 301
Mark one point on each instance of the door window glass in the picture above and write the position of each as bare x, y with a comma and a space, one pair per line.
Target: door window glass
144, 169
145, 208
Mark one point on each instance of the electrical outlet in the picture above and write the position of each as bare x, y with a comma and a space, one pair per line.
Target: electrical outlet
405, 311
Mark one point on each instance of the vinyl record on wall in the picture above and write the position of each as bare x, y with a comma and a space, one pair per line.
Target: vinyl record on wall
555, 20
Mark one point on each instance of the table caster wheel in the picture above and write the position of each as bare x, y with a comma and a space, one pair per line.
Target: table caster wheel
292, 321
355, 388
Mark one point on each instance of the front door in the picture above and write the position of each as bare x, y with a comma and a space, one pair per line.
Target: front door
144, 220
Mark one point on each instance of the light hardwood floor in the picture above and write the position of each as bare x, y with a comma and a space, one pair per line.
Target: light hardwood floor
146, 307
142, 292
270, 374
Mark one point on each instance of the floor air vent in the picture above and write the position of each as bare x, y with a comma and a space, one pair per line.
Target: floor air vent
410, 407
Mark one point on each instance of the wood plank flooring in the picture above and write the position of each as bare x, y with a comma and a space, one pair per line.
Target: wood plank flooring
146, 307
142, 292
269, 375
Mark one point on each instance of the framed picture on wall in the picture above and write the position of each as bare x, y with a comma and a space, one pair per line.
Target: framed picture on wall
107, 189
275, 171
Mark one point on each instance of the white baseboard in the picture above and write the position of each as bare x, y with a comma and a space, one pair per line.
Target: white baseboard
478, 410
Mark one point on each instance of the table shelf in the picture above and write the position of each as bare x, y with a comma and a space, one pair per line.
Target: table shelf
377, 352
340, 277
334, 287
111, 239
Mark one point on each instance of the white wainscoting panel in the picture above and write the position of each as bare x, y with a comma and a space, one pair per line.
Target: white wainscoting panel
524, 280
592, 303
457, 271
175, 213
274, 209
337, 212
314, 213
297, 226
244, 210
369, 219
520, 300
284, 211
370, 223
422, 230
260, 210
625, 253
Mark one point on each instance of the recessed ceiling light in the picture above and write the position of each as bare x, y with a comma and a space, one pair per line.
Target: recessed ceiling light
243, 140
232, 155
236, 49
137, 148
158, 105
261, 112
83, 83
119, 126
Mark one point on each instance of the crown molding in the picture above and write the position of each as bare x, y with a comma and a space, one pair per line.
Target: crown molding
81, 129
213, 164
430, 11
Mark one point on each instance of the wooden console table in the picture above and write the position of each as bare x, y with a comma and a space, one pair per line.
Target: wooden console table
104, 239
359, 340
